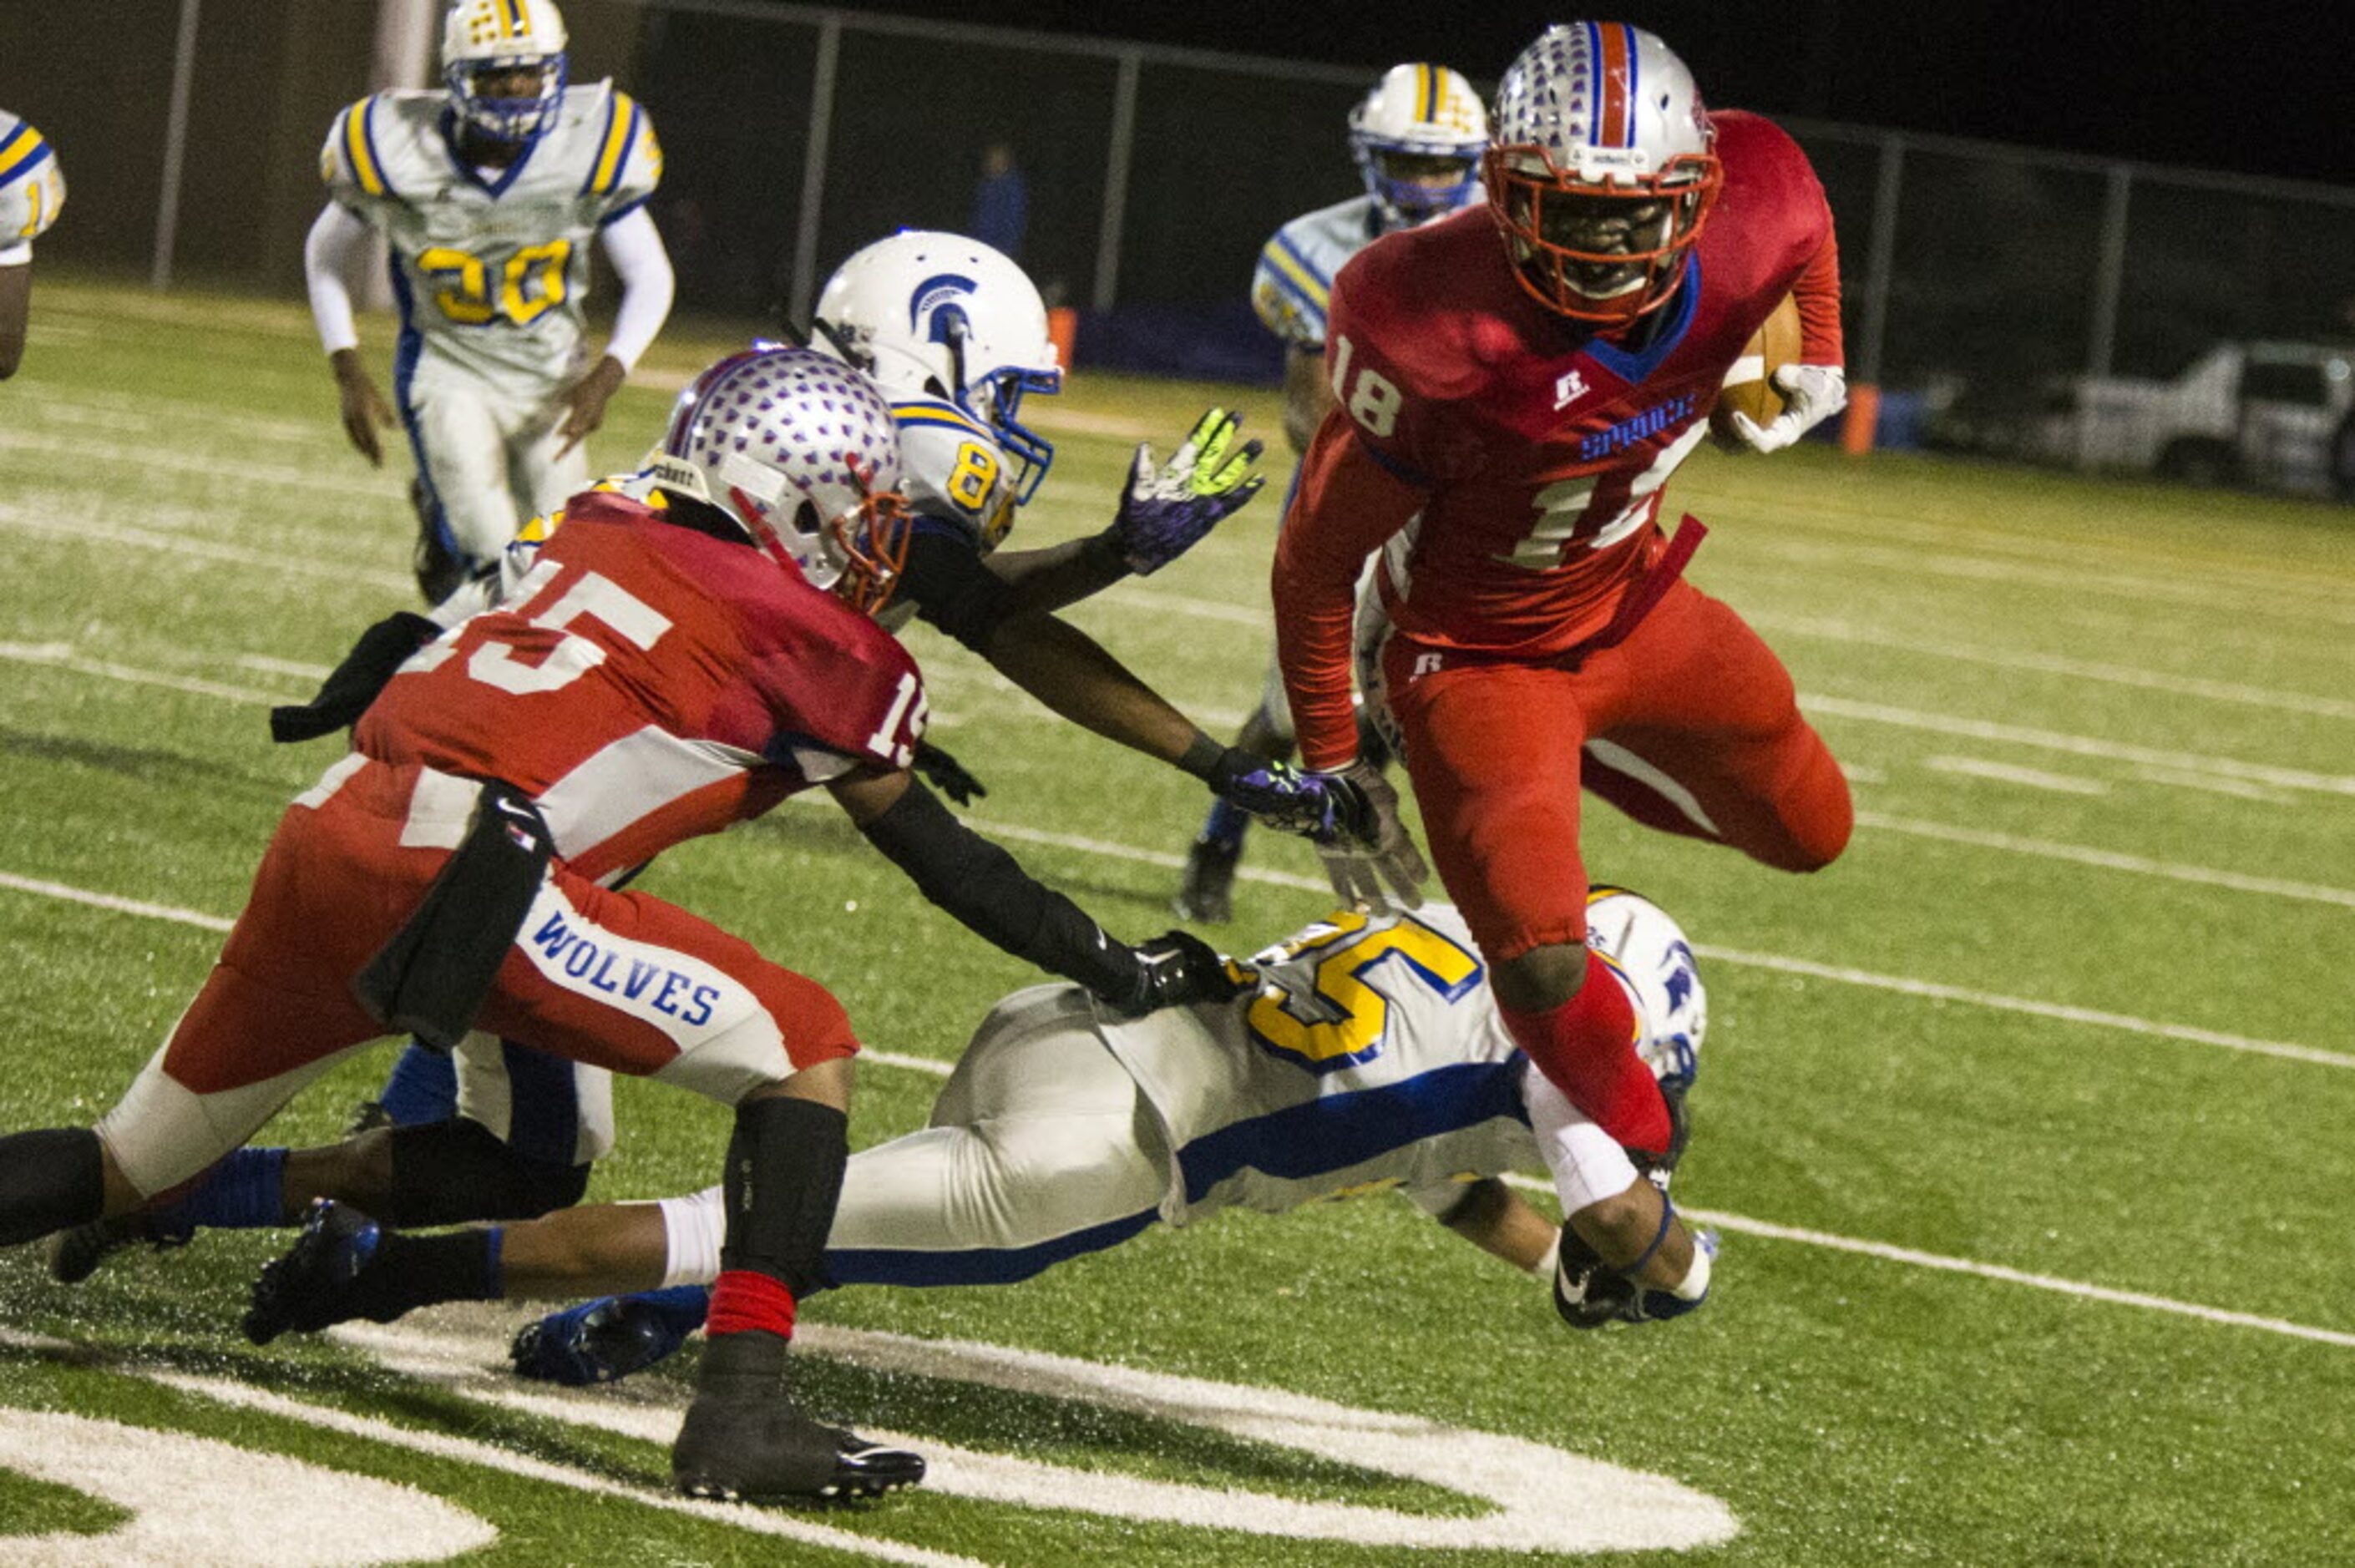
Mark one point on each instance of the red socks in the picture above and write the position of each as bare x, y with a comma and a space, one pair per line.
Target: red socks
1586, 1048
744, 1300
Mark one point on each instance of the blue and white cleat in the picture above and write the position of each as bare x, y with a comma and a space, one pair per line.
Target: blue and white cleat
610, 1338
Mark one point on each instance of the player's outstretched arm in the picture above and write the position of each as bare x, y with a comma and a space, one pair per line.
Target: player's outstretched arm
1165, 511
989, 893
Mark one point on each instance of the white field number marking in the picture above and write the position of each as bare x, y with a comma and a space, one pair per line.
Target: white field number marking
1544, 1500
194, 1500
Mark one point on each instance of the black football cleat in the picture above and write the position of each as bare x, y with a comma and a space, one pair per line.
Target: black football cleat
1206, 893
313, 1286
1588, 1293
75, 1255
744, 1440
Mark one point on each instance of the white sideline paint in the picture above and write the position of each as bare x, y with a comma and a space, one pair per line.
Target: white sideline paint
760, 1522
2005, 773
197, 1502
1545, 1500
2078, 744
2110, 860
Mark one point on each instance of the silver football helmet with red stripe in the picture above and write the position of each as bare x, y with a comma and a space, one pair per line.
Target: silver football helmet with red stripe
1601, 171
800, 451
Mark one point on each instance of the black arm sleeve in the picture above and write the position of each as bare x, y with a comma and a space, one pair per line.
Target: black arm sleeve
980, 884
353, 685
952, 590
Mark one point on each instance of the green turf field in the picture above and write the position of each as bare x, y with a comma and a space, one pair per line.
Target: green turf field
2026, 1126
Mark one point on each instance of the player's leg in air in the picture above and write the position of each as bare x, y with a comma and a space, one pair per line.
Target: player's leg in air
491, 1130
1492, 753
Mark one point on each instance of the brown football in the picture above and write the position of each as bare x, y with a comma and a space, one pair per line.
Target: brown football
1749, 385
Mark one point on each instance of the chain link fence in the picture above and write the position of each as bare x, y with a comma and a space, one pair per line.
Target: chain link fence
1983, 283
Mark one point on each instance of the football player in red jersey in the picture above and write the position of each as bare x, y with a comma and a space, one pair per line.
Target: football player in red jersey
1515, 386
672, 665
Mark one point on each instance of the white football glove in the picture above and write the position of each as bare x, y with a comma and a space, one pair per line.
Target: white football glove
1812, 393
1371, 858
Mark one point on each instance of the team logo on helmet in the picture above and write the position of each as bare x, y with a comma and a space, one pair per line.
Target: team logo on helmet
940, 315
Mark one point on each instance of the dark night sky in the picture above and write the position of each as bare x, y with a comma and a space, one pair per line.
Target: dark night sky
2246, 87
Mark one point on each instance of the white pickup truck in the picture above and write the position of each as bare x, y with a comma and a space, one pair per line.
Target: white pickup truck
2266, 413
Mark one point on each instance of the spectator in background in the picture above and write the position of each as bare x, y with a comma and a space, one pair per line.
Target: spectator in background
1001, 202
31, 192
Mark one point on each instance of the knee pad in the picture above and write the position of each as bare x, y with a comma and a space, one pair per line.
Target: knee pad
448, 1172
49, 1181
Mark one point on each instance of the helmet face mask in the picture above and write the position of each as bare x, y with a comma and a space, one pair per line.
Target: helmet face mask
1602, 172
800, 452
505, 64
1417, 139
937, 314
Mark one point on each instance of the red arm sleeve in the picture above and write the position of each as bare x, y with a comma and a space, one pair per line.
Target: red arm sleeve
1817, 293
1349, 503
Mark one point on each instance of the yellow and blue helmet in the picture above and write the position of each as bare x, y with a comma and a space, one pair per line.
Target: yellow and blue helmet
488, 37
1417, 139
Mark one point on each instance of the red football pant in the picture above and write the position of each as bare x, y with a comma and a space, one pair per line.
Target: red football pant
621, 981
1689, 725
1693, 728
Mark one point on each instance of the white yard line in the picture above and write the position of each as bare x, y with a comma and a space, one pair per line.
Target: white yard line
2060, 1011
2078, 744
1919, 1259
203, 465
2057, 665
59, 890
290, 562
2194, 592
2007, 773
935, 1067
61, 656
2110, 860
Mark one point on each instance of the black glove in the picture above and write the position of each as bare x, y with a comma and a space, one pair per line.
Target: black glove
353, 685
1173, 970
947, 775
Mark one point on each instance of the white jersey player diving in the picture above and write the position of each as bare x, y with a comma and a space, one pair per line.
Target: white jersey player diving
1369, 1056
489, 204
1364, 1053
